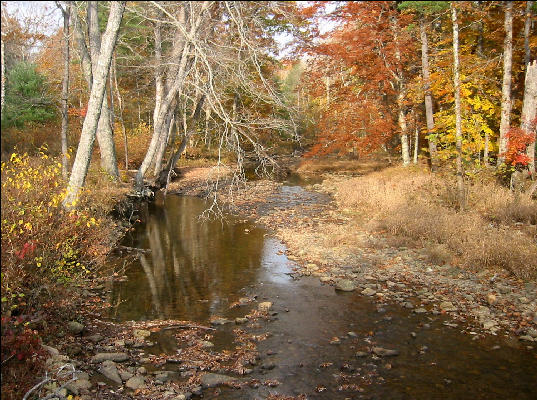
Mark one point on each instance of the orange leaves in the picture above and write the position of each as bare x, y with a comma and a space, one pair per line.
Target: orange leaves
518, 140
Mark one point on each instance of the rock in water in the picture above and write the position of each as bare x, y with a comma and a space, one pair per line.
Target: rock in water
345, 285
211, 380
369, 292
379, 351
264, 306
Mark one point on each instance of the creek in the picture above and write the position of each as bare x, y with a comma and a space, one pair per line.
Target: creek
320, 339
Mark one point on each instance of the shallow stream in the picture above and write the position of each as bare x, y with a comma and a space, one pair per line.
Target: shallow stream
195, 269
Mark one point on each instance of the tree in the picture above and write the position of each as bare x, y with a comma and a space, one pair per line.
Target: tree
528, 123
367, 56
506, 85
425, 9
213, 54
89, 58
26, 98
457, 84
89, 128
65, 87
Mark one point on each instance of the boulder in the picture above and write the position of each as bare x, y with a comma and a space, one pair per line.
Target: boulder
109, 369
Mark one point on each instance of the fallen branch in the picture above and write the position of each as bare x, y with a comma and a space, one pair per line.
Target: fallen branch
134, 249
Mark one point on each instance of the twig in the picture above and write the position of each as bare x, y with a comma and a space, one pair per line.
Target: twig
35, 387
134, 249
188, 327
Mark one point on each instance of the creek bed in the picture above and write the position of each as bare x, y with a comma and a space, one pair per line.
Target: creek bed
320, 341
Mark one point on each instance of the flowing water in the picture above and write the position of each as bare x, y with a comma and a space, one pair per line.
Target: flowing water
195, 269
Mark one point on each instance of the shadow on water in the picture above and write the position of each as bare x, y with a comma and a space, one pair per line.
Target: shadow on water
195, 269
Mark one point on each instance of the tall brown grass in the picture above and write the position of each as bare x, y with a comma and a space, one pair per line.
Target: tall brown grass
496, 230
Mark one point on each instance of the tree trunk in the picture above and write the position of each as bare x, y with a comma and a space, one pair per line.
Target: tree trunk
105, 136
164, 177
529, 111
486, 150
178, 71
3, 75
506, 85
65, 90
87, 137
401, 117
416, 144
120, 116
428, 97
527, 27
458, 119
163, 144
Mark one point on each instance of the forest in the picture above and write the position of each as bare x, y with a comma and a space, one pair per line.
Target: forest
163, 162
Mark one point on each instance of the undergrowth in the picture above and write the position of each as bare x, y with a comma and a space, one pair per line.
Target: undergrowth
496, 230
43, 247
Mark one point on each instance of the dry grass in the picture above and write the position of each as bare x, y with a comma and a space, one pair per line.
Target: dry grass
335, 164
497, 230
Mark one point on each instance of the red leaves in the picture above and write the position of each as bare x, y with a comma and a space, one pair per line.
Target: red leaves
518, 141
78, 112
27, 249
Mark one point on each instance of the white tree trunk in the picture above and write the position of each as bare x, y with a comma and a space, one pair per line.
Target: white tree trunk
527, 28
105, 135
87, 137
176, 77
65, 90
120, 107
428, 97
458, 119
3, 75
529, 111
506, 85
416, 144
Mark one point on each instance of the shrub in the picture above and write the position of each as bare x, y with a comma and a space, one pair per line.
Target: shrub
40, 240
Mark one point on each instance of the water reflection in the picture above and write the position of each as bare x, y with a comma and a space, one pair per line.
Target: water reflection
194, 268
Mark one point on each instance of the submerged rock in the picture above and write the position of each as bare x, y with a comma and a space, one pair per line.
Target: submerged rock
211, 380
220, 321
264, 306
382, 352
369, 292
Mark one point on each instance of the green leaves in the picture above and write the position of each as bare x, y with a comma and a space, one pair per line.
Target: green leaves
26, 99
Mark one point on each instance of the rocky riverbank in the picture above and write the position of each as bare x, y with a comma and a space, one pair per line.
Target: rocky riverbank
328, 242
93, 357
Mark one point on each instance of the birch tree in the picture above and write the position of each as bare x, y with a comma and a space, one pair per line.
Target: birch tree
88, 60
506, 84
529, 112
214, 50
66, 12
458, 119
89, 128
